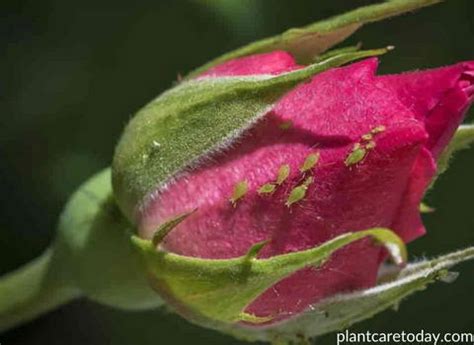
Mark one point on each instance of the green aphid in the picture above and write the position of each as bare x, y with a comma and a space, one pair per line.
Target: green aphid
310, 162
240, 189
298, 193
357, 155
367, 137
267, 188
283, 174
371, 145
378, 129
285, 125
308, 181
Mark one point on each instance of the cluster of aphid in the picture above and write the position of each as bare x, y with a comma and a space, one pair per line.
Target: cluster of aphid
360, 149
296, 193
358, 153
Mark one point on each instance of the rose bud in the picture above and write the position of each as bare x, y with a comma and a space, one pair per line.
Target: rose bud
259, 185
262, 194
343, 152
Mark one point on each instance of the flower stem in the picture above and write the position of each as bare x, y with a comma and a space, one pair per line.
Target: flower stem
34, 289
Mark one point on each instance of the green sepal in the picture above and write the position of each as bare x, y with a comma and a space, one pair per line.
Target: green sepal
213, 292
425, 208
342, 311
253, 319
194, 119
91, 257
93, 246
307, 42
462, 139
165, 228
255, 250
334, 52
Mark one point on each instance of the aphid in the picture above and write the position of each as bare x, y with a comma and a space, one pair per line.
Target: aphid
371, 145
299, 192
367, 137
240, 189
296, 195
285, 125
357, 155
283, 174
310, 162
378, 129
267, 188
308, 181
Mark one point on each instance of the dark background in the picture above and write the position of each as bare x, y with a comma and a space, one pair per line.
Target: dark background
73, 72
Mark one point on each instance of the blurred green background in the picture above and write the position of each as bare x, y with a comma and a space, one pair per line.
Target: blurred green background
72, 74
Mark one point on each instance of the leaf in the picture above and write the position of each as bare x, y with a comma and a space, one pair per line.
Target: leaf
189, 122
341, 311
215, 292
307, 42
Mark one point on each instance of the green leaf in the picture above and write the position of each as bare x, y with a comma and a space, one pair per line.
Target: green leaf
216, 292
189, 122
307, 42
341, 311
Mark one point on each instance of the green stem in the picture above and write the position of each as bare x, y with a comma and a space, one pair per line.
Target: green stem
32, 290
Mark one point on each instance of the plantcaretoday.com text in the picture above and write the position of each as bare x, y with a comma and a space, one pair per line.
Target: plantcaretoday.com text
420, 337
